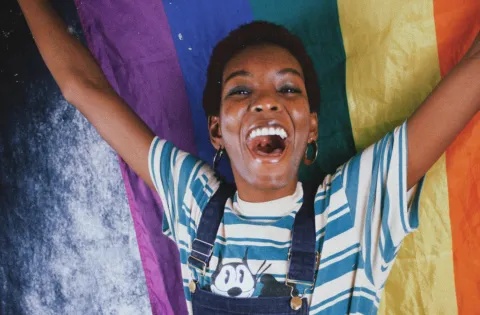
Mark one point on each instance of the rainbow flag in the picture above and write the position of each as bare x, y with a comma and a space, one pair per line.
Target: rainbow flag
376, 61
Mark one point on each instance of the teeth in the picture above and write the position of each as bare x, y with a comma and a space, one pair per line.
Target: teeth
268, 132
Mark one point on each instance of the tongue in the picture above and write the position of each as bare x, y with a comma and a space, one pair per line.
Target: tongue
267, 145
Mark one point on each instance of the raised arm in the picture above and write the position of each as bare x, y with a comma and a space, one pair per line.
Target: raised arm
84, 85
443, 115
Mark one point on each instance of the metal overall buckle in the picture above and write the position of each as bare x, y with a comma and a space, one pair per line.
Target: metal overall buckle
192, 285
296, 300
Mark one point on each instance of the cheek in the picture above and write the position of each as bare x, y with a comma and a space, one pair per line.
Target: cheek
301, 120
231, 120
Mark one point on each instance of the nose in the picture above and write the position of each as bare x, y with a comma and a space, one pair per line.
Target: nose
265, 106
236, 291
266, 101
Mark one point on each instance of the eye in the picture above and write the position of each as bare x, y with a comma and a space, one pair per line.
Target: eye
242, 273
227, 276
289, 90
239, 90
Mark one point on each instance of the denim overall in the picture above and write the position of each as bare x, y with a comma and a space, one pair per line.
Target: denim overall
303, 259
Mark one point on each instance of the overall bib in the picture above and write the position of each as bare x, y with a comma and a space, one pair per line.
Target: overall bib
303, 260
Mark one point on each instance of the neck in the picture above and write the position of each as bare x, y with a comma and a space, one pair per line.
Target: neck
262, 193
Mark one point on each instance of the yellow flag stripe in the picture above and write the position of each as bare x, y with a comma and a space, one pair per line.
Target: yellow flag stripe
392, 65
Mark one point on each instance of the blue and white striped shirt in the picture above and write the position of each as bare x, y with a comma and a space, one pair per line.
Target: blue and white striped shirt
362, 214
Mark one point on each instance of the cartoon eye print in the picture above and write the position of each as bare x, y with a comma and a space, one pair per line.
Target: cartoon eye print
235, 279
224, 280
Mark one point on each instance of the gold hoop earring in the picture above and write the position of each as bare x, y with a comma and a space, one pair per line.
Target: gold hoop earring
218, 156
315, 150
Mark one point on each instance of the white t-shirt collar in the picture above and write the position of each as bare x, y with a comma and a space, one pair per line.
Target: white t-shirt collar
274, 208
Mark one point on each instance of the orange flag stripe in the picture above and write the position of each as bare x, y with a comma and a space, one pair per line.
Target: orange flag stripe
457, 23
392, 65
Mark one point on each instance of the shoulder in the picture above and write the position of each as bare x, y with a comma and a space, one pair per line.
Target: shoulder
182, 180
331, 184
331, 203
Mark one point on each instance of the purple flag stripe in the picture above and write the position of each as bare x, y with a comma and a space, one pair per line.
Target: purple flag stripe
132, 43
196, 27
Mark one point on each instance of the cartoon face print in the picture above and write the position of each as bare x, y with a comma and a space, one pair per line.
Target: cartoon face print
235, 279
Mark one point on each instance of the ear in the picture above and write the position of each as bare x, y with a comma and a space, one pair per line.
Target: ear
245, 257
313, 132
215, 131
219, 264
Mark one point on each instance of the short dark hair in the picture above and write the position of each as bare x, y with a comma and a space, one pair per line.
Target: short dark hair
252, 34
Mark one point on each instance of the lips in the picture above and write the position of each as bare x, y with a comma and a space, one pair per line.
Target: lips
267, 142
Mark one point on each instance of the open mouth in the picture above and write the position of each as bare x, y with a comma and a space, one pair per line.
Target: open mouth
267, 141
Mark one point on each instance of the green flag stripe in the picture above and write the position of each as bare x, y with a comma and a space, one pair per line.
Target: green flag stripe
317, 24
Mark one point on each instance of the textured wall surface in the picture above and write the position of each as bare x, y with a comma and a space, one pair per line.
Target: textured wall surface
67, 243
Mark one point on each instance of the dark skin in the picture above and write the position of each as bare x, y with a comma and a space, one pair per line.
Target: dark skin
267, 87
430, 129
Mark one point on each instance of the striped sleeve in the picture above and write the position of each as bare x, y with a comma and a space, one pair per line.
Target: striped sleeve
184, 184
384, 212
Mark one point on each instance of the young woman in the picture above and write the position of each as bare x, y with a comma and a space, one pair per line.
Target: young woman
271, 245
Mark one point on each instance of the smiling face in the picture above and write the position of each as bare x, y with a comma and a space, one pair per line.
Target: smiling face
265, 121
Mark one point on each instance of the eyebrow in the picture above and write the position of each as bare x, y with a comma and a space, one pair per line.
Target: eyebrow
237, 74
292, 71
246, 73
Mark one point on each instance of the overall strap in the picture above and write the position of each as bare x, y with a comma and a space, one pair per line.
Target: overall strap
202, 245
303, 254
